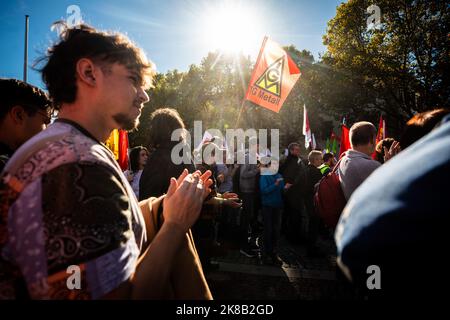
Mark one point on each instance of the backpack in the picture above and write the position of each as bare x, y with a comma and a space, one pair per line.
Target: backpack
329, 199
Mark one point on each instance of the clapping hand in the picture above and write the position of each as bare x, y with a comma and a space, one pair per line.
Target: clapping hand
393, 150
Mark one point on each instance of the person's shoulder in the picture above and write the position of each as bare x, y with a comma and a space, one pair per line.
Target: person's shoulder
93, 175
57, 145
375, 163
316, 171
368, 163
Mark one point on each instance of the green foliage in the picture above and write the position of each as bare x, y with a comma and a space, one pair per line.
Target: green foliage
396, 69
213, 92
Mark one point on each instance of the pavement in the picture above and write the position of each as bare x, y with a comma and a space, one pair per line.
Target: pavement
300, 277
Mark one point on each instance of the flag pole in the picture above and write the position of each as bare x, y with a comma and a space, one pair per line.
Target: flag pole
239, 115
257, 62
25, 56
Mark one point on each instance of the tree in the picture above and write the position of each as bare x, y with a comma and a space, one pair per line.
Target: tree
397, 68
213, 92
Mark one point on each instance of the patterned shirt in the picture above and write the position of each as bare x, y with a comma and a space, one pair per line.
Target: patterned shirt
66, 207
5, 154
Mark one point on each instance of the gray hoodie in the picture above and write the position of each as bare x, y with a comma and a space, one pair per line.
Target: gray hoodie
354, 168
247, 179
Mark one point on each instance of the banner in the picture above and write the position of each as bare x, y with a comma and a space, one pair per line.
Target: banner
381, 134
327, 146
113, 143
331, 144
123, 150
273, 77
381, 130
306, 128
345, 140
118, 144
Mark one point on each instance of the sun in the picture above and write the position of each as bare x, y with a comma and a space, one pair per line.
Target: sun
232, 28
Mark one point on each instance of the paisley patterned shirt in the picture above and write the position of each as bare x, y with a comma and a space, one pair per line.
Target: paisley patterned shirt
70, 224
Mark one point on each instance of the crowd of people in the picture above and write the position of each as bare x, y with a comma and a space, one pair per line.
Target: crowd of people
151, 231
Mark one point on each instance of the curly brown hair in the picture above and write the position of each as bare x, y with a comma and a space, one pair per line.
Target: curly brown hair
83, 41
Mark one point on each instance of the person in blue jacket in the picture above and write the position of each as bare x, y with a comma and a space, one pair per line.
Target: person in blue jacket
271, 186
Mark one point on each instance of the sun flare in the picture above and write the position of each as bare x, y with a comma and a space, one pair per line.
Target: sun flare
232, 28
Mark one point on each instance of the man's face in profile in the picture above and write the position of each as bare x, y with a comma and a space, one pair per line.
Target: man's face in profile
124, 95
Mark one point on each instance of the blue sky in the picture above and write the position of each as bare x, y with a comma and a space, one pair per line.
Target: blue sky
173, 33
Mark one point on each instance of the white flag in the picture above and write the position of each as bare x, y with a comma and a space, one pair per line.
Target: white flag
206, 137
306, 128
313, 142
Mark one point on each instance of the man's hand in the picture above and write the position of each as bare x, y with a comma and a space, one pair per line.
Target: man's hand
232, 202
277, 182
231, 199
287, 185
184, 198
393, 150
229, 195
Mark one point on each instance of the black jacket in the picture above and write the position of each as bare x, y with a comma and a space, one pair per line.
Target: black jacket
155, 178
289, 169
294, 171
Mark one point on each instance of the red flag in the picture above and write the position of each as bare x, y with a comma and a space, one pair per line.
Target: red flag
381, 134
273, 77
123, 150
345, 140
381, 130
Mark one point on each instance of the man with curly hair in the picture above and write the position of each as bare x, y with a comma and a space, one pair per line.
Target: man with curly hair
70, 225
